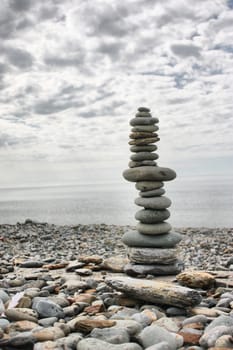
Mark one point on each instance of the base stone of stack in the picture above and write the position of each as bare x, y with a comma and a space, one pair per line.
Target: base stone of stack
152, 255
133, 238
155, 270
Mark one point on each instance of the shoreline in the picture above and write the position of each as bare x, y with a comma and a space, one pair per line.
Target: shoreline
201, 247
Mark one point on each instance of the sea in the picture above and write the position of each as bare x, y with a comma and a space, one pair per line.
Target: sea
201, 201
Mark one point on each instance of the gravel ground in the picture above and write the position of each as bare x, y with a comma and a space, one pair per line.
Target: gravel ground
201, 248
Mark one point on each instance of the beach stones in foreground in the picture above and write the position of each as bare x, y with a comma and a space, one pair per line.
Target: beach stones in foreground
144, 248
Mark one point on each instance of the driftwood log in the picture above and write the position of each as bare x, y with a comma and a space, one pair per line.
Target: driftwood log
158, 292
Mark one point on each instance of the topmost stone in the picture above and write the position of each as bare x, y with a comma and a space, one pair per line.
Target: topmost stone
143, 109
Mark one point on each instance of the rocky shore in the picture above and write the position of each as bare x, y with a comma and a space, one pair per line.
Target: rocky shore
63, 287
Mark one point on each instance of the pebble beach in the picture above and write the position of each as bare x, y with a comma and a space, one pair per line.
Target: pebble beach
58, 290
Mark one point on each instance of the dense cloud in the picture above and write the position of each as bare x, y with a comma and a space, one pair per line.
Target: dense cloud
73, 73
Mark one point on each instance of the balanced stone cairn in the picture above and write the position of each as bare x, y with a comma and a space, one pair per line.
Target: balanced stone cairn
151, 247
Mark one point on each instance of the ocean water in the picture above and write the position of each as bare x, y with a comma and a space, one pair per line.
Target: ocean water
196, 202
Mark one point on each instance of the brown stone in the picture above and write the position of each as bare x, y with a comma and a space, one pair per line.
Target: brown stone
191, 336
55, 266
84, 298
86, 325
94, 259
21, 326
115, 263
196, 325
49, 333
204, 311
196, 279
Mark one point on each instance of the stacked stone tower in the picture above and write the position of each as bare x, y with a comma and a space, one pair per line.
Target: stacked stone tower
151, 247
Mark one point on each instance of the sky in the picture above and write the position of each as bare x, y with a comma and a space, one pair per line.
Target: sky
74, 72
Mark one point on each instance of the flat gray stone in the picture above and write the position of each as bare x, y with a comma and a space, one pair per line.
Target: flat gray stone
142, 135
154, 269
148, 185
145, 148
143, 121
152, 193
144, 141
153, 202
111, 335
143, 114
140, 156
149, 216
146, 128
133, 238
147, 256
47, 308
143, 109
153, 229
133, 164
149, 174
97, 344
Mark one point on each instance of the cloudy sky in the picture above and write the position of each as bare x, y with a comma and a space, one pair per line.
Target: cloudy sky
73, 72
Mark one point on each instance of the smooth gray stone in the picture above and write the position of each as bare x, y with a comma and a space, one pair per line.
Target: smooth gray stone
148, 216
152, 193
4, 323
143, 121
146, 128
140, 156
153, 202
155, 269
149, 174
222, 320
111, 335
153, 334
149, 256
143, 114
145, 148
97, 344
148, 185
133, 238
208, 339
133, 164
143, 109
4, 296
153, 229
47, 308
48, 321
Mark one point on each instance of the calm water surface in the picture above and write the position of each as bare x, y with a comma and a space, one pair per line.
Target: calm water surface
203, 201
